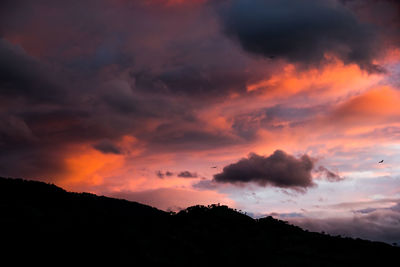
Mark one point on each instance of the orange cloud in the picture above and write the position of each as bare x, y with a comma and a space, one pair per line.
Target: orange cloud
87, 166
378, 105
332, 81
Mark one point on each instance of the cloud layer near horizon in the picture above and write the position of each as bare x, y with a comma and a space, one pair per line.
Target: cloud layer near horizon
378, 224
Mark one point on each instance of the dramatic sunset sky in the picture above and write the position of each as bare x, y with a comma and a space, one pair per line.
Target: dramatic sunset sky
274, 107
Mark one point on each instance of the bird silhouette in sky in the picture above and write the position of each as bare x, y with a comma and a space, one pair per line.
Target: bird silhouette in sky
214, 167
380, 161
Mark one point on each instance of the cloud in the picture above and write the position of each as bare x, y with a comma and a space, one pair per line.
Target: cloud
301, 31
182, 174
193, 80
381, 224
384, 13
362, 205
33, 160
161, 174
366, 210
329, 175
374, 106
107, 147
23, 76
14, 131
153, 81
142, 81
206, 185
187, 174
279, 170
377, 220
189, 135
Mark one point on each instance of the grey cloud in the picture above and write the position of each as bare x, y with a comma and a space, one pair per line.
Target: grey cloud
107, 147
182, 174
161, 174
329, 175
374, 224
272, 118
201, 82
366, 210
187, 174
279, 170
101, 80
363, 204
46, 109
14, 130
37, 161
206, 185
186, 135
23, 76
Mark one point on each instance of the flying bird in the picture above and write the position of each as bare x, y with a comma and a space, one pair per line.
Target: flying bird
380, 161
214, 167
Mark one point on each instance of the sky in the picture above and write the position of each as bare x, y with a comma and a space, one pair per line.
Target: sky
281, 108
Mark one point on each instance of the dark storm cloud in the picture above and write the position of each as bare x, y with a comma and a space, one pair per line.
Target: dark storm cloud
34, 160
33, 143
279, 170
110, 52
187, 174
189, 134
22, 76
70, 78
96, 98
381, 12
191, 139
195, 81
14, 130
107, 147
301, 31
65, 124
384, 13
7, 9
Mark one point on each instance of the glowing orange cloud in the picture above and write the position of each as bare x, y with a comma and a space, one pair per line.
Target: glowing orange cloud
377, 105
89, 166
331, 81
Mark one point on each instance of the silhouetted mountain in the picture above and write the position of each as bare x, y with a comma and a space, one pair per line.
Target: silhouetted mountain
42, 223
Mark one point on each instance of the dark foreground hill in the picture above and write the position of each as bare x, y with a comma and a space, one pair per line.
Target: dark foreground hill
42, 223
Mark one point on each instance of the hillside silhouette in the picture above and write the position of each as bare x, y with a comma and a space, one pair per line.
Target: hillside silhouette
44, 224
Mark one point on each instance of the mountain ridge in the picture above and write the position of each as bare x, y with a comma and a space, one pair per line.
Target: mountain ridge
47, 224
